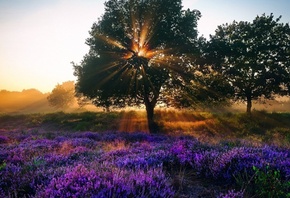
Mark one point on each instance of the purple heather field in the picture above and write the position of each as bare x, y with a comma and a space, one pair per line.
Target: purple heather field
114, 164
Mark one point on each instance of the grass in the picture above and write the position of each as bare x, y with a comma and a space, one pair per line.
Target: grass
260, 127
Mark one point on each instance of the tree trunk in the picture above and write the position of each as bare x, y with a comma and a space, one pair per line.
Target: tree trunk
150, 103
249, 104
153, 127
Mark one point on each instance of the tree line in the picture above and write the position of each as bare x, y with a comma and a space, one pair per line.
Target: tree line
148, 52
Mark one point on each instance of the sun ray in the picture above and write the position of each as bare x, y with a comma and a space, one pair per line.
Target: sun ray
135, 28
147, 30
146, 80
110, 66
142, 33
131, 56
132, 81
110, 41
105, 80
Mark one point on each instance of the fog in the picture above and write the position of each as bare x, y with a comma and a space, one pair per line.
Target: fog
34, 101
31, 101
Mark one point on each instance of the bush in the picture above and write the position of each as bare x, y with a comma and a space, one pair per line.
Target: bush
82, 182
268, 183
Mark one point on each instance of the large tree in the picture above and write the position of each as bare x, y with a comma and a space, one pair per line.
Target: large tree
253, 56
139, 52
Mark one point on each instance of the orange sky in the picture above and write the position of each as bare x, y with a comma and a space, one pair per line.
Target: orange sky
39, 38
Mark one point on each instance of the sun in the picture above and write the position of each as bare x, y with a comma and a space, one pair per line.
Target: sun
142, 52
138, 52
139, 48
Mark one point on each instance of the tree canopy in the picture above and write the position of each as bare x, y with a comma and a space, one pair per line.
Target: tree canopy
139, 52
253, 56
63, 95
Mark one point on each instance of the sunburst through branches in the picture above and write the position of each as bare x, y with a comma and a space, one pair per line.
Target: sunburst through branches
135, 56
138, 51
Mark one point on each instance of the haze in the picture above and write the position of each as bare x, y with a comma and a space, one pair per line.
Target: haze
40, 38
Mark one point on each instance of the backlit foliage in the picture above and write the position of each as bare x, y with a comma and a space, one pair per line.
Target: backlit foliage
139, 51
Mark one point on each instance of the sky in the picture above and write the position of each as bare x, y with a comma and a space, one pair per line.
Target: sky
40, 38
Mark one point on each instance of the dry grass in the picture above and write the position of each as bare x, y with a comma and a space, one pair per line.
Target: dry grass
206, 126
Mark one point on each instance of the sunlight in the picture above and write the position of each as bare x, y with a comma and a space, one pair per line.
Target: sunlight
140, 36
142, 52
138, 51
144, 37
65, 149
111, 41
113, 73
136, 55
116, 145
173, 121
133, 121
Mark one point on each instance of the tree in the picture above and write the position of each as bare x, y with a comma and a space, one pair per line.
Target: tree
138, 53
62, 96
254, 57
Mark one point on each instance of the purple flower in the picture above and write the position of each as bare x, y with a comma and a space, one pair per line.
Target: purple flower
3, 139
232, 194
82, 182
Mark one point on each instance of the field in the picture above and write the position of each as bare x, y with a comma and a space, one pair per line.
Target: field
196, 154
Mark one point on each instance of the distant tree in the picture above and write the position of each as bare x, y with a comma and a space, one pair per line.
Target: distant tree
254, 57
139, 53
62, 96
26, 101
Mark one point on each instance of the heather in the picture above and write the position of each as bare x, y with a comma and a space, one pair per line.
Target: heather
44, 162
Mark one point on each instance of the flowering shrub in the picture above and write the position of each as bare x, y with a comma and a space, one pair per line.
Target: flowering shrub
81, 182
115, 164
3, 139
232, 194
225, 163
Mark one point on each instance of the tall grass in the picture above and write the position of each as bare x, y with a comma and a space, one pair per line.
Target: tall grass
260, 126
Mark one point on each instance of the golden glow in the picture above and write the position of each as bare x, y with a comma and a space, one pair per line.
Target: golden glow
113, 73
141, 34
65, 149
142, 52
111, 41
114, 146
133, 121
53, 36
132, 58
187, 121
128, 55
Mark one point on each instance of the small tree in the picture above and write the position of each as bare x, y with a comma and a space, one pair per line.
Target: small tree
62, 96
254, 57
138, 53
